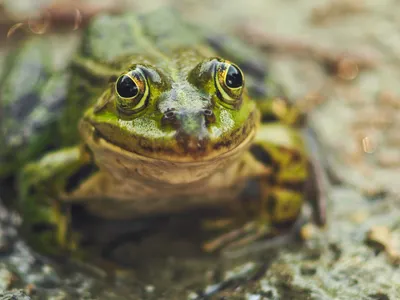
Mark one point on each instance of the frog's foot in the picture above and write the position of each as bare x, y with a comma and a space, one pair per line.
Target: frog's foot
239, 237
53, 235
253, 237
46, 218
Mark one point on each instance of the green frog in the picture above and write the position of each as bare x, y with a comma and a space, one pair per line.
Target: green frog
151, 116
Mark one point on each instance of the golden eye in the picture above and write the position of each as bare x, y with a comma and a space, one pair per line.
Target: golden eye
230, 82
132, 91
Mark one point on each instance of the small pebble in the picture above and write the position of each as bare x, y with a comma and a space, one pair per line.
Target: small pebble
347, 69
253, 297
150, 288
381, 237
308, 231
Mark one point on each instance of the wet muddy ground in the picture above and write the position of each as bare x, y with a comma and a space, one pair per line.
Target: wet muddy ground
339, 59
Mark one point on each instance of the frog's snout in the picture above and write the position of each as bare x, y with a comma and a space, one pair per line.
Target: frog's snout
192, 144
191, 122
192, 128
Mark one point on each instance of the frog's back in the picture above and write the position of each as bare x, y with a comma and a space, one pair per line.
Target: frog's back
161, 32
158, 35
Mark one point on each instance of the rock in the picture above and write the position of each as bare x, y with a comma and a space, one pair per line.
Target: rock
14, 295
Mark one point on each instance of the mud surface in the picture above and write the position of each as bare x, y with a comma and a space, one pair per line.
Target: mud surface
354, 112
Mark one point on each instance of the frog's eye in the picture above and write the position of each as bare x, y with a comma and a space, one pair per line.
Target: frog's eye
132, 91
229, 80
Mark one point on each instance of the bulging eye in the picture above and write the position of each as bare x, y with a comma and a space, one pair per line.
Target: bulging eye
229, 80
127, 87
233, 77
132, 91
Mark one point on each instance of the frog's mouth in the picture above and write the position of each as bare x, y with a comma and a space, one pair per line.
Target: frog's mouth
181, 148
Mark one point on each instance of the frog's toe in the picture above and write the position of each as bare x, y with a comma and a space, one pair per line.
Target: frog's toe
254, 237
53, 237
239, 237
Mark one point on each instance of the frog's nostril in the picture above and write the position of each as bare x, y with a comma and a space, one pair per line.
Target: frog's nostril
169, 114
208, 112
209, 116
169, 117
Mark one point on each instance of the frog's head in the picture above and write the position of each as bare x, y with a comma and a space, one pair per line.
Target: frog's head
193, 113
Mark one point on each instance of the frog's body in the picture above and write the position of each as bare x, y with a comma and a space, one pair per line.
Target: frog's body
165, 125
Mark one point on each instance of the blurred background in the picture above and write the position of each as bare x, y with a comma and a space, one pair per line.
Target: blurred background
338, 60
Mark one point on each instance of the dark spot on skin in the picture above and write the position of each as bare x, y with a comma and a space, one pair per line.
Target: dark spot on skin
79, 176
286, 207
224, 144
296, 157
261, 154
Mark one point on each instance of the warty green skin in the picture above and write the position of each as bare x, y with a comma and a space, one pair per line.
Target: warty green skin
206, 136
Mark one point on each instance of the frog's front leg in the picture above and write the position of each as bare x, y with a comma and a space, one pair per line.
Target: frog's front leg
274, 200
41, 184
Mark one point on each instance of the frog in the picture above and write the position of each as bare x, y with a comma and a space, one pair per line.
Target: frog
152, 115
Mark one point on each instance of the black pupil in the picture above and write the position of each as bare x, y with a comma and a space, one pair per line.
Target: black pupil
126, 87
234, 77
